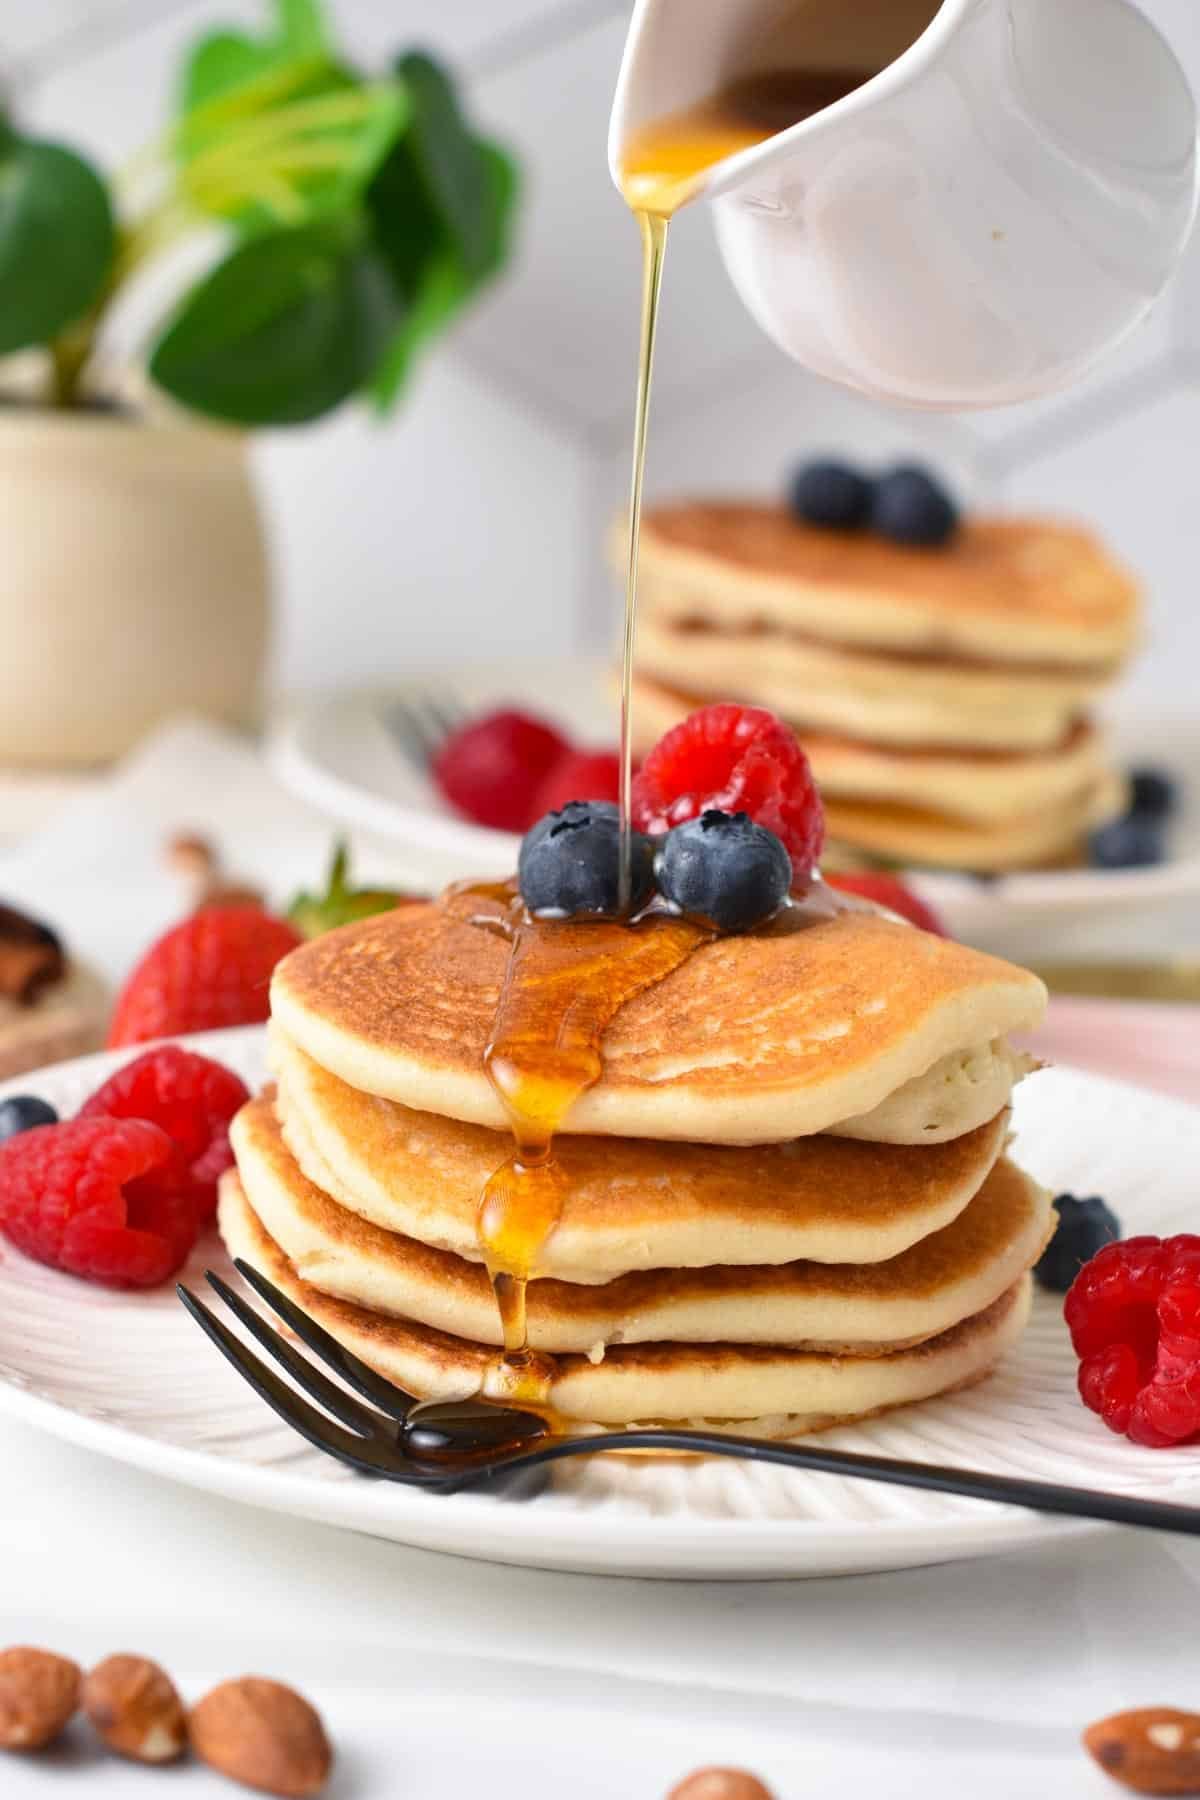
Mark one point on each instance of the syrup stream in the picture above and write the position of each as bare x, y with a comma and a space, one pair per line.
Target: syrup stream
565, 982
654, 249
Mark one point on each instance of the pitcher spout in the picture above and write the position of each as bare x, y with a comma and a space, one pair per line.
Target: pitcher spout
708, 89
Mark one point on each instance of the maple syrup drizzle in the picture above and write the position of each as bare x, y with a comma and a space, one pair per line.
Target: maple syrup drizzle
662, 167
654, 250
566, 981
564, 984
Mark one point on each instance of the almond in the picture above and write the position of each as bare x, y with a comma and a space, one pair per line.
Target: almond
134, 1708
1152, 1750
264, 1735
720, 1784
39, 1693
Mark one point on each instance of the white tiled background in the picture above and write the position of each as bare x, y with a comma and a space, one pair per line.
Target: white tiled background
472, 522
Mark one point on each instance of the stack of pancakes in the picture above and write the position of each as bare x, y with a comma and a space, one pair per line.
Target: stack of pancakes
943, 695
787, 1199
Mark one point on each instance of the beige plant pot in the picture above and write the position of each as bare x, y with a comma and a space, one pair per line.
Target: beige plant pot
133, 582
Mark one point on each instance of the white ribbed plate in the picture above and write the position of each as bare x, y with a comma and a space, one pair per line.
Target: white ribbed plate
340, 754
131, 1376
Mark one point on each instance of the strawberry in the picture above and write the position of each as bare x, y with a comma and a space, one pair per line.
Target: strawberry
886, 890
213, 970
579, 775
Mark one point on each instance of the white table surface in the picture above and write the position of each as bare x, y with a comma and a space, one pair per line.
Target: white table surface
973, 1678
446, 1679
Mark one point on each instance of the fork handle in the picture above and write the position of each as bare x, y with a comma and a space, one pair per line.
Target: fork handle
969, 1484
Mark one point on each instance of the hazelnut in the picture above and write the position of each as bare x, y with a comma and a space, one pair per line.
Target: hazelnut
264, 1735
134, 1708
31, 957
39, 1692
225, 894
192, 858
720, 1784
1153, 1750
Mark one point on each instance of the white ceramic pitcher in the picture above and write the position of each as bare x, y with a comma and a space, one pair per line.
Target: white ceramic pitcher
989, 213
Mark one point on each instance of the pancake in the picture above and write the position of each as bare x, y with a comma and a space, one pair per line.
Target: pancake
872, 695
970, 1084
836, 1308
981, 787
754, 1039
763, 1389
632, 1203
909, 835
1013, 590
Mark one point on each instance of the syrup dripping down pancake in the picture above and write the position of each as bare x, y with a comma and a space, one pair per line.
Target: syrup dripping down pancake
836, 1308
755, 1039
630, 1203
754, 1388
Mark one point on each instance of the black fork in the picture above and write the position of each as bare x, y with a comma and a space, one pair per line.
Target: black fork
446, 1446
420, 723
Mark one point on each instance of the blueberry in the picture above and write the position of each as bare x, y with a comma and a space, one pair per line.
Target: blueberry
912, 508
22, 1113
1084, 1227
570, 862
1152, 794
832, 494
1131, 842
724, 869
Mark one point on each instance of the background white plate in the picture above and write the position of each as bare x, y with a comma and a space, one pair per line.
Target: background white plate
131, 1376
338, 754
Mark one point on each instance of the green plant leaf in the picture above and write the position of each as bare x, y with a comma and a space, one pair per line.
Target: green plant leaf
299, 160
220, 62
503, 182
447, 156
56, 240
302, 26
441, 295
425, 262
289, 325
223, 61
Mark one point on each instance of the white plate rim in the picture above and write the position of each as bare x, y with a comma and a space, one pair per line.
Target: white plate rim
480, 1528
298, 765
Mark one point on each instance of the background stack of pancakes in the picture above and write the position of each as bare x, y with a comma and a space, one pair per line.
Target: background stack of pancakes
943, 694
787, 1199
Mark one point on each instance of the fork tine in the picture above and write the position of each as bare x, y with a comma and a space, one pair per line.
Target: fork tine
382, 1393
435, 723
318, 1387
410, 732
446, 712
370, 1457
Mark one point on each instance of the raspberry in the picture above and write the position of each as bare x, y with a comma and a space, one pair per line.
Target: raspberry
1134, 1318
491, 769
579, 775
885, 890
99, 1198
189, 1097
213, 970
728, 758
